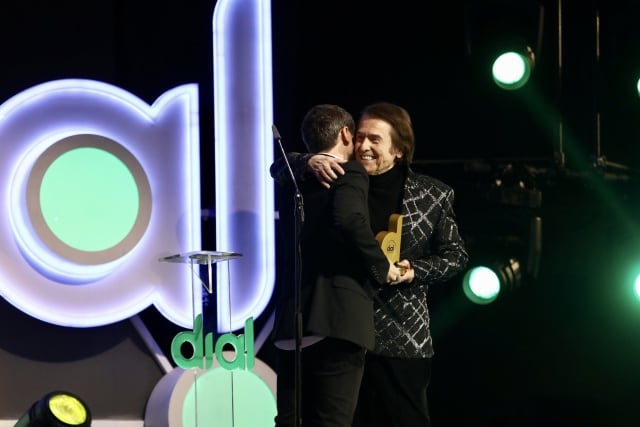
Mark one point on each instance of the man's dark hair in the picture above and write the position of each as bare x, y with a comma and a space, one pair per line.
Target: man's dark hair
322, 125
402, 135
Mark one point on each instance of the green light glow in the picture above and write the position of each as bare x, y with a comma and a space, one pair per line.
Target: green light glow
511, 71
89, 199
636, 287
481, 285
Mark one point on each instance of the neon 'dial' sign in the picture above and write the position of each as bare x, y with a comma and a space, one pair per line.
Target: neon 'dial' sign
98, 185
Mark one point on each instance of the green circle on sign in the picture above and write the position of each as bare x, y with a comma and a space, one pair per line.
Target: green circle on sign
89, 199
229, 399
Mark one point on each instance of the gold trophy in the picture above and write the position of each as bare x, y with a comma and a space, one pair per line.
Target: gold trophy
389, 241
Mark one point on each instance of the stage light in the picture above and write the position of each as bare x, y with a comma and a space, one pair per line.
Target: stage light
511, 69
57, 409
483, 283
505, 39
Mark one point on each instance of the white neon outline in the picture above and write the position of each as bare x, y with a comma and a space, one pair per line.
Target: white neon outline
38, 117
243, 114
44, 259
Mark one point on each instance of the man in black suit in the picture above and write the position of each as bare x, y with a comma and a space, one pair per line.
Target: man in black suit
342, 265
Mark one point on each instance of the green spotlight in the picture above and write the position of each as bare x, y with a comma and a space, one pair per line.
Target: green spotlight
482, 284
511, 70
57, 409
637, 287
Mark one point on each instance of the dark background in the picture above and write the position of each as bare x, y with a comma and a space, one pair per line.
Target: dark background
560, 349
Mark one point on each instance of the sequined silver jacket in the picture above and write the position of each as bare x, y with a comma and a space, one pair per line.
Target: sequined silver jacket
432, 243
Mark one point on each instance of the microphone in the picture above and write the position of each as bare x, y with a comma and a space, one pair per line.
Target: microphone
299, 221
276, 134
297, 193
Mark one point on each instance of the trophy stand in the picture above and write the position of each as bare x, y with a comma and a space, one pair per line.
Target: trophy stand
195, 260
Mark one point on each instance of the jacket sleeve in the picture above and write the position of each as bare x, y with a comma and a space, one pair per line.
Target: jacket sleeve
434, 246
298, 161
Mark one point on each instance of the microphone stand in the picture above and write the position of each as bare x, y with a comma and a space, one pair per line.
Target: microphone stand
299, 221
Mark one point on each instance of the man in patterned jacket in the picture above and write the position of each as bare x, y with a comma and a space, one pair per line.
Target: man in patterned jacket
398, 370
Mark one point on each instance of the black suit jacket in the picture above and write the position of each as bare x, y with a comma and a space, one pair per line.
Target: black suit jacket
341, 262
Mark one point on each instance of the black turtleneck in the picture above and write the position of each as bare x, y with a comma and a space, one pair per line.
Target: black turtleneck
385, 196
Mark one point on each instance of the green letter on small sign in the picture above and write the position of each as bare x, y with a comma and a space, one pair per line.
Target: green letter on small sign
203, 348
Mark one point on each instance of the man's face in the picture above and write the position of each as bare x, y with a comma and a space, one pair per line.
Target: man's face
373, 146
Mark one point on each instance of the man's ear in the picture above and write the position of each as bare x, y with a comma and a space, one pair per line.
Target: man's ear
346, 136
